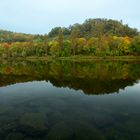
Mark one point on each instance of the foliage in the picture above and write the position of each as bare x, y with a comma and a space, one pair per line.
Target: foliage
96, 28
97, 37
135, 45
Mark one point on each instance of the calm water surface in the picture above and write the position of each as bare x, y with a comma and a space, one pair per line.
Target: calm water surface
67, 100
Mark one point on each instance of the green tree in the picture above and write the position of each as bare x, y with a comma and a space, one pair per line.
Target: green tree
46, 45
135, 45
73, 39
67, 48
60, 39
54, 48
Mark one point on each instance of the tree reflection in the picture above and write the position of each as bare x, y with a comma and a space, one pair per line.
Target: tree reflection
96, 77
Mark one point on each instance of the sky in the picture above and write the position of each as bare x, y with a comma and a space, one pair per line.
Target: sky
40, 16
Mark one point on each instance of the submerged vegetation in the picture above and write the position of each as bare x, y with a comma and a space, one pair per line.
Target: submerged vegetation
95, 37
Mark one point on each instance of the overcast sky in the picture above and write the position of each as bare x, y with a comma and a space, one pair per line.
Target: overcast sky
39, 16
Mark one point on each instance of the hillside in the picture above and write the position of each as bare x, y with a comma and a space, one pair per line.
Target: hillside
96, 28
90, 28
95, 37
9, 36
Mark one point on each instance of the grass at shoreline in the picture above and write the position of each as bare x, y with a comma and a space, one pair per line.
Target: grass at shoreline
107, 58
77, 58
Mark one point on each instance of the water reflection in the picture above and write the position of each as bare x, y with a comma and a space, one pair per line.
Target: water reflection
55, 106
90, 77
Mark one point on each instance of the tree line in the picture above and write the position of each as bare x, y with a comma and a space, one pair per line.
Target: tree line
96, 37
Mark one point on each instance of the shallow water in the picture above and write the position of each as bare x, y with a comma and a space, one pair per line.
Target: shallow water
67, 100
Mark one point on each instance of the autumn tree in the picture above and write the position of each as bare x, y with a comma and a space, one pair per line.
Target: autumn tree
54, 48
81, 42
7, 50
1, 50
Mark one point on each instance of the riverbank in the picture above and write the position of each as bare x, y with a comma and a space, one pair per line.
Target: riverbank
96, 58
78, 58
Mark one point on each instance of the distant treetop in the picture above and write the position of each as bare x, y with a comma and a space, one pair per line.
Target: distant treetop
90, 28
97, 27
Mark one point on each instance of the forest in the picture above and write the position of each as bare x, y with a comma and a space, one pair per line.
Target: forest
95, 37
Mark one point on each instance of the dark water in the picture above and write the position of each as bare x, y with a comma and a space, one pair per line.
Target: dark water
69, 100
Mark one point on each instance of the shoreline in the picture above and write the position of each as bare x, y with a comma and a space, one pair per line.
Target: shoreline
75, 58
